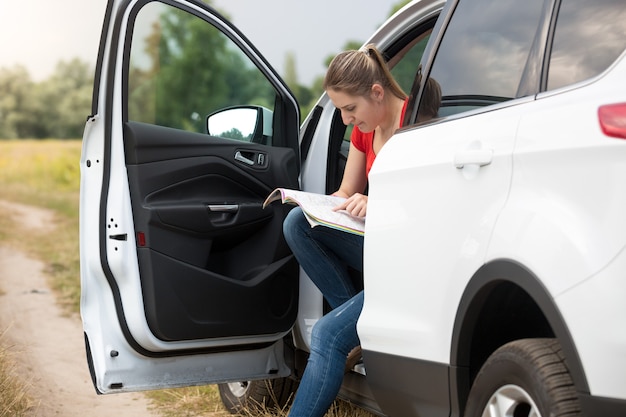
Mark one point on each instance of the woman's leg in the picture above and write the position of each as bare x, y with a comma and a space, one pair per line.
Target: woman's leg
324, 254
334, 335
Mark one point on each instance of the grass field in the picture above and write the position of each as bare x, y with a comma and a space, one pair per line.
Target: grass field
45, 173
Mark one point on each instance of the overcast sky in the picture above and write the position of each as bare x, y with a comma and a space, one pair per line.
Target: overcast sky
40, 33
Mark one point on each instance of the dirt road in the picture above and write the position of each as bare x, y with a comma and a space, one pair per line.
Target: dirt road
48, 346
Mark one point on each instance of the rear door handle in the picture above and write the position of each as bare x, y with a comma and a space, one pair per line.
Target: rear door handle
480, 157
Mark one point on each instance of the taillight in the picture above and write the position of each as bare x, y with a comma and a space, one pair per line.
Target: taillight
612, 119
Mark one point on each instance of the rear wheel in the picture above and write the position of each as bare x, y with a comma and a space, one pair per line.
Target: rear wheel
257, 396
524, 378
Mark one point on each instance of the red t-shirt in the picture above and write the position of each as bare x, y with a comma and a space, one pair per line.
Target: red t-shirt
365, 142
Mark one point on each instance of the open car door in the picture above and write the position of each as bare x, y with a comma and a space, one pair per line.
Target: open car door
185, 277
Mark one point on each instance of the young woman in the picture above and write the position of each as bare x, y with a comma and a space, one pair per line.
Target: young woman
360, 85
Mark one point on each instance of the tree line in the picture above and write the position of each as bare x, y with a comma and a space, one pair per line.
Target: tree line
57, 107
54, 108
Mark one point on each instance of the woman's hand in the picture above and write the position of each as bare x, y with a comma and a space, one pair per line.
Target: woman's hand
355, 205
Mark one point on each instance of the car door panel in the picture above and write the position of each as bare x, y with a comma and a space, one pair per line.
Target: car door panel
206, 235
208, 272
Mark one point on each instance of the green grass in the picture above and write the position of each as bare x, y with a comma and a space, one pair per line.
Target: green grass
45, 173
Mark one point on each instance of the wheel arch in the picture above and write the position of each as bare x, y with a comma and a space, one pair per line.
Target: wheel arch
504, 301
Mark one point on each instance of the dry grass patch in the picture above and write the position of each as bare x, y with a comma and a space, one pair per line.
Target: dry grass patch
188, 402
14, 400
205, 401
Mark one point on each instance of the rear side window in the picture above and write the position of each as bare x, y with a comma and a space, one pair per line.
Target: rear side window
589, 36
484, 53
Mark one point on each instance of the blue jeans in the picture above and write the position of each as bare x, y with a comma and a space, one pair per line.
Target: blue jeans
333, 337
325, 254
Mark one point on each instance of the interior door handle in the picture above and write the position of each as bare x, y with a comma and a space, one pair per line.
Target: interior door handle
480, 157
224, 208
241, 158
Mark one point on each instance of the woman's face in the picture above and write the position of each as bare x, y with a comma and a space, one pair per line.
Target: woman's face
356, 110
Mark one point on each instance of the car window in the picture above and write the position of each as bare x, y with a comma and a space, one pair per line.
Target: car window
405, 64
182, 69
483, 54
589, 36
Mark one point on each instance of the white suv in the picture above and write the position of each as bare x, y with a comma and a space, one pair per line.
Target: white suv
495, 244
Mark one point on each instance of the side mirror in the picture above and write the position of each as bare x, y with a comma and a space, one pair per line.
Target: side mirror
244, 123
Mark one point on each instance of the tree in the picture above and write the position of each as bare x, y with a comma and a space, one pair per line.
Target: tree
16, 88
303, 94
398, 6
63, 101
291, 74
54, 108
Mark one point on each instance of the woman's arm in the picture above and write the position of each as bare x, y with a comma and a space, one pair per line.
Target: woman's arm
353, 184
354, 177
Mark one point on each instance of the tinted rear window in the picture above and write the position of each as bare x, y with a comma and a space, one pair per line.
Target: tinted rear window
484, 52
589, 36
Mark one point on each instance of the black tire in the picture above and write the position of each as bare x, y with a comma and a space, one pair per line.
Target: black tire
523, 378
255, 397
